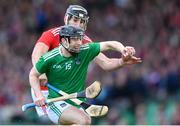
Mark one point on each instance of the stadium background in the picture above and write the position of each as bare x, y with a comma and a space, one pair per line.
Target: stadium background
147, 93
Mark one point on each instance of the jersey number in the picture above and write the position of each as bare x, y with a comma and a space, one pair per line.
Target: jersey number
68, 66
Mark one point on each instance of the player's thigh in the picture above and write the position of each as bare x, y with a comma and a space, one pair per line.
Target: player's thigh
56, 109
73, 115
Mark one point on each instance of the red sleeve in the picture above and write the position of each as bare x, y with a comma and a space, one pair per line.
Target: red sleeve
86, 39
51, 38
46, 38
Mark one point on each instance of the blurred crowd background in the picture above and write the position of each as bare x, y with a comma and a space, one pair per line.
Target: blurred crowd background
147, 93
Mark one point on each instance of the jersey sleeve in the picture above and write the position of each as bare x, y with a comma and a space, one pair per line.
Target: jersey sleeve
46, 38
41, 65
93, 50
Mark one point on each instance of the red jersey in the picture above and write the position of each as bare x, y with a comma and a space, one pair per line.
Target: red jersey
51, 38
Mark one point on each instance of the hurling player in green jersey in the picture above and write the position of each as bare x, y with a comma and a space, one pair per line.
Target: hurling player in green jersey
66, 69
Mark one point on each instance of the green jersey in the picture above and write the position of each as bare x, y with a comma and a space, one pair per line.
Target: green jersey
67, 73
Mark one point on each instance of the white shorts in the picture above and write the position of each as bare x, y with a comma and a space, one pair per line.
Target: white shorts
55, 110
41, 111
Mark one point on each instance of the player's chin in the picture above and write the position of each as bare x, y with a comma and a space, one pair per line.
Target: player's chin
77, 50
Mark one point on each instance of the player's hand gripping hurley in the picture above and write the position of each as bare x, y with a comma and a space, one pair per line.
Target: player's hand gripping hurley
90, 92
92, 110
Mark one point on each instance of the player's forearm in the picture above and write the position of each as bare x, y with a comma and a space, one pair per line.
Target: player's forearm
34, 82
116, 46
112, 64
112, 45
108, 63
115, 64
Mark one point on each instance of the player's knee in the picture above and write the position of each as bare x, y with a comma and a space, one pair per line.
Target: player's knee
78, 121
88, 121
85, 120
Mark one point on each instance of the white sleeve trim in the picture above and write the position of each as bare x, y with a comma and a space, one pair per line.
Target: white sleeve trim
36, 70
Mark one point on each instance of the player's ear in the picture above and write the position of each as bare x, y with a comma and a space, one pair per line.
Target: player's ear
63, 40
65, 19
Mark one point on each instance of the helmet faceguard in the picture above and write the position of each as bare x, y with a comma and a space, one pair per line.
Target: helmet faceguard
77, 11
67, 32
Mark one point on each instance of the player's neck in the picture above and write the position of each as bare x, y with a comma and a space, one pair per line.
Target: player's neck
65, 53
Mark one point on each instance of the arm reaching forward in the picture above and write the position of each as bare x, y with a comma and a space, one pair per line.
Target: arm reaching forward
114, 63
117, 46
111, 45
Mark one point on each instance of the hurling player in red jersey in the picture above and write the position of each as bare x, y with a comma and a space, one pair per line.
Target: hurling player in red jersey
77, 16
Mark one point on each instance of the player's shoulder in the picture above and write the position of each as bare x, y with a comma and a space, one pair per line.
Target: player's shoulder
87, 46
53, 31
51, 54
86, 39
